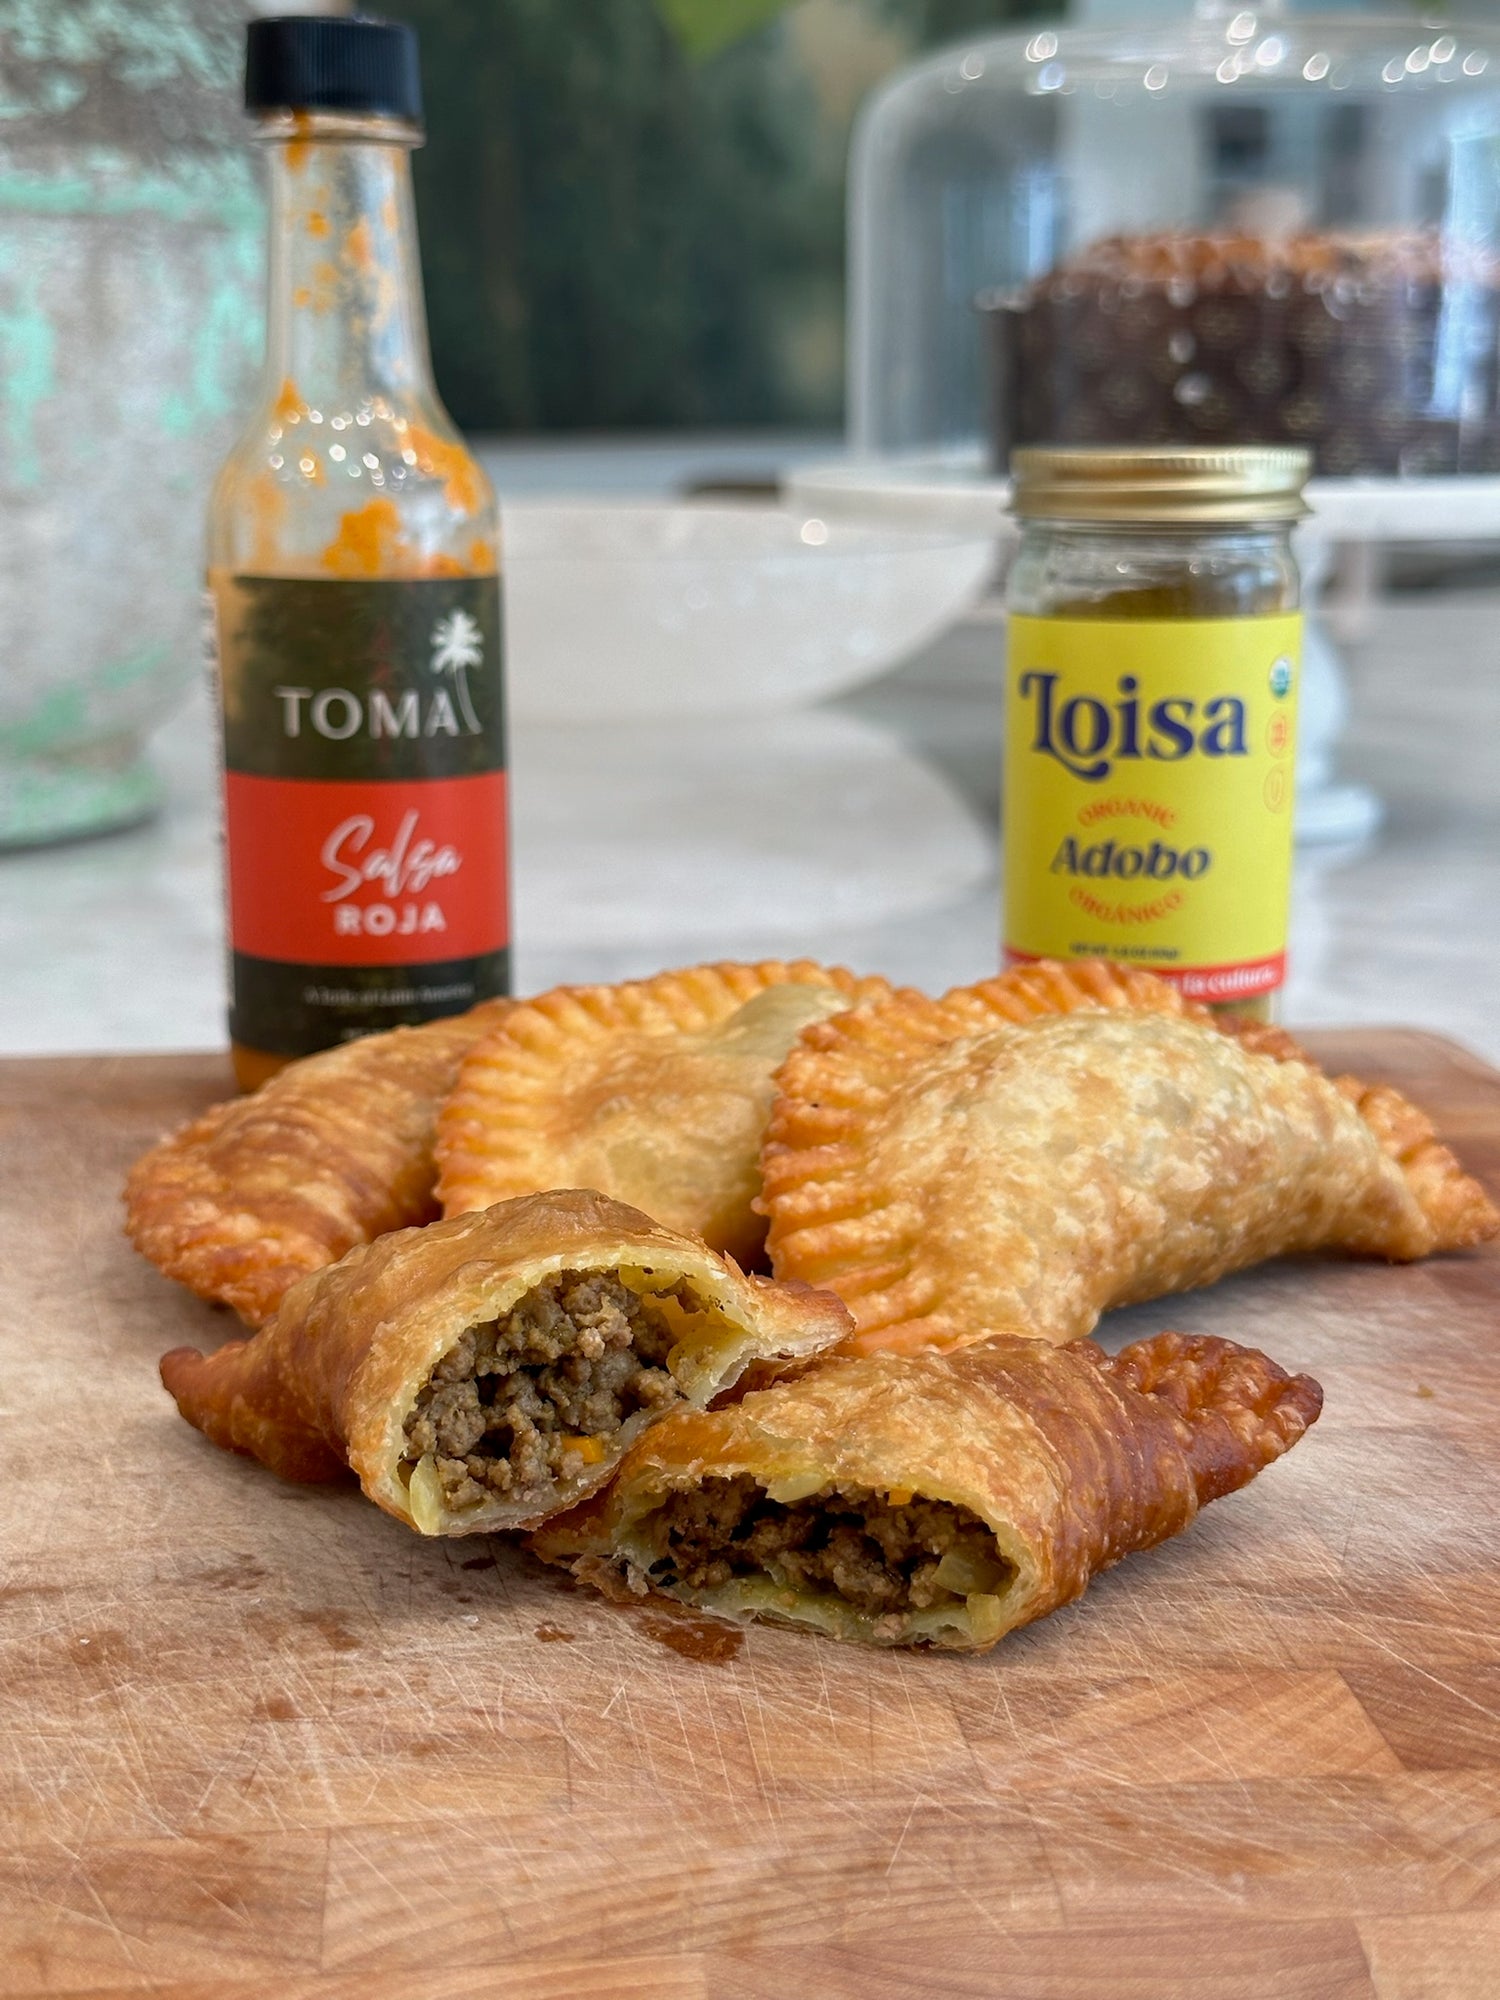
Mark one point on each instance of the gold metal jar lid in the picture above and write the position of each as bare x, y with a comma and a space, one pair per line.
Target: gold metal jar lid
1160, 483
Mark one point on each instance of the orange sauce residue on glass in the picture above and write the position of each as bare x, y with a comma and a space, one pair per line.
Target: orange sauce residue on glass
300, 143
267, 507
463, 487
481, 556
288, 405
369, 543
317, 223
325, 286
358, 246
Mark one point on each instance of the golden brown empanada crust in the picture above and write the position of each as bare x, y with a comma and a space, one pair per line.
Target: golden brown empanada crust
332, 1152
1067, 1459
331, 1382
1024, 1153
656, 1091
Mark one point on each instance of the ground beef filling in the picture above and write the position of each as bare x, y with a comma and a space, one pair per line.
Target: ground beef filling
880, 1558
508, 1410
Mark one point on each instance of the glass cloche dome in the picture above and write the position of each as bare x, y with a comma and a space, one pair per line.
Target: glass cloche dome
1238, 224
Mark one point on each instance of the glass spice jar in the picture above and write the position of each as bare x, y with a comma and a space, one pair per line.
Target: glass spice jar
1150, 726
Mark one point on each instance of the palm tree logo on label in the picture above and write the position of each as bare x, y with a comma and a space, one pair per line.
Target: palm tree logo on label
458, 644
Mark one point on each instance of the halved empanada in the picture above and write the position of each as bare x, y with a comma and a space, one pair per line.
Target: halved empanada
332, 1152
656, 1092
487, 1371
936, 1499
1025, 1153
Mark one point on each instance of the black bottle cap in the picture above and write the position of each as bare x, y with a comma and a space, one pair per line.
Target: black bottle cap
333, 62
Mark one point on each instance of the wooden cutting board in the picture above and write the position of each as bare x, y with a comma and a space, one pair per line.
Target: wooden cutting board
256, 1739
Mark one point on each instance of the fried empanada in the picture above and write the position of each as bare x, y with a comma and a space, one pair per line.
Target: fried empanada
484, 1372
1023, 1154
332, 1152
935, 1499
656, 1092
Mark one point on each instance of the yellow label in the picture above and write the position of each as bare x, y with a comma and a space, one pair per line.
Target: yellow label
1148, 795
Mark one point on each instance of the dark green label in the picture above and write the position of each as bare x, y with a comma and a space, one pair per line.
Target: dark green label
361, 680
290, 1010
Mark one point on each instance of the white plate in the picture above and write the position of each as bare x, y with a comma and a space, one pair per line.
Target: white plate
957, 492
768, 832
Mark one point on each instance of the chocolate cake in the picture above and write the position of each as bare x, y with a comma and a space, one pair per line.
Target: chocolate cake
1378, 352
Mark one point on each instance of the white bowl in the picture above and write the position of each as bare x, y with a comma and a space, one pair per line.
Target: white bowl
642, 608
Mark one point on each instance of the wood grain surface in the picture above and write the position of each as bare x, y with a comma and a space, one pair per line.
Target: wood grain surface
258, 1739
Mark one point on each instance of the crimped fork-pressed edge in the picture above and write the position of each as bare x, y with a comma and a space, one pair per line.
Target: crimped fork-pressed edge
1456, 1208
813, 1138
1212, 1385
476, 1143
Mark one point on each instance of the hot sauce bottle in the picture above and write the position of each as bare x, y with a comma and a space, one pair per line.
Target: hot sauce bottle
354, 592
1154, 654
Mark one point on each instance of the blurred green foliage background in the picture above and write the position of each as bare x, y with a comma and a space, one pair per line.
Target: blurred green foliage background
632, 211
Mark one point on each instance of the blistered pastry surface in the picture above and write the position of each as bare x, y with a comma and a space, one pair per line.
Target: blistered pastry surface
1073, 1459
331, 1153
656, 1092
329, 1382
1021, 1155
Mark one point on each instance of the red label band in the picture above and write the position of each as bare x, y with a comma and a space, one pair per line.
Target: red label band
366, 874
1210, 983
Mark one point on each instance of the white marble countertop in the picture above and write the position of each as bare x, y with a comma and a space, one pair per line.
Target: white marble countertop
863, 832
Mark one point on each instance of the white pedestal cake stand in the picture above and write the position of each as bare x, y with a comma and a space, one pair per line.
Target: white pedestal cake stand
958, 491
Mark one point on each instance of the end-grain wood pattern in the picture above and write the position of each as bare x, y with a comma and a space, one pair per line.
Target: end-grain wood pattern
259, 1739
